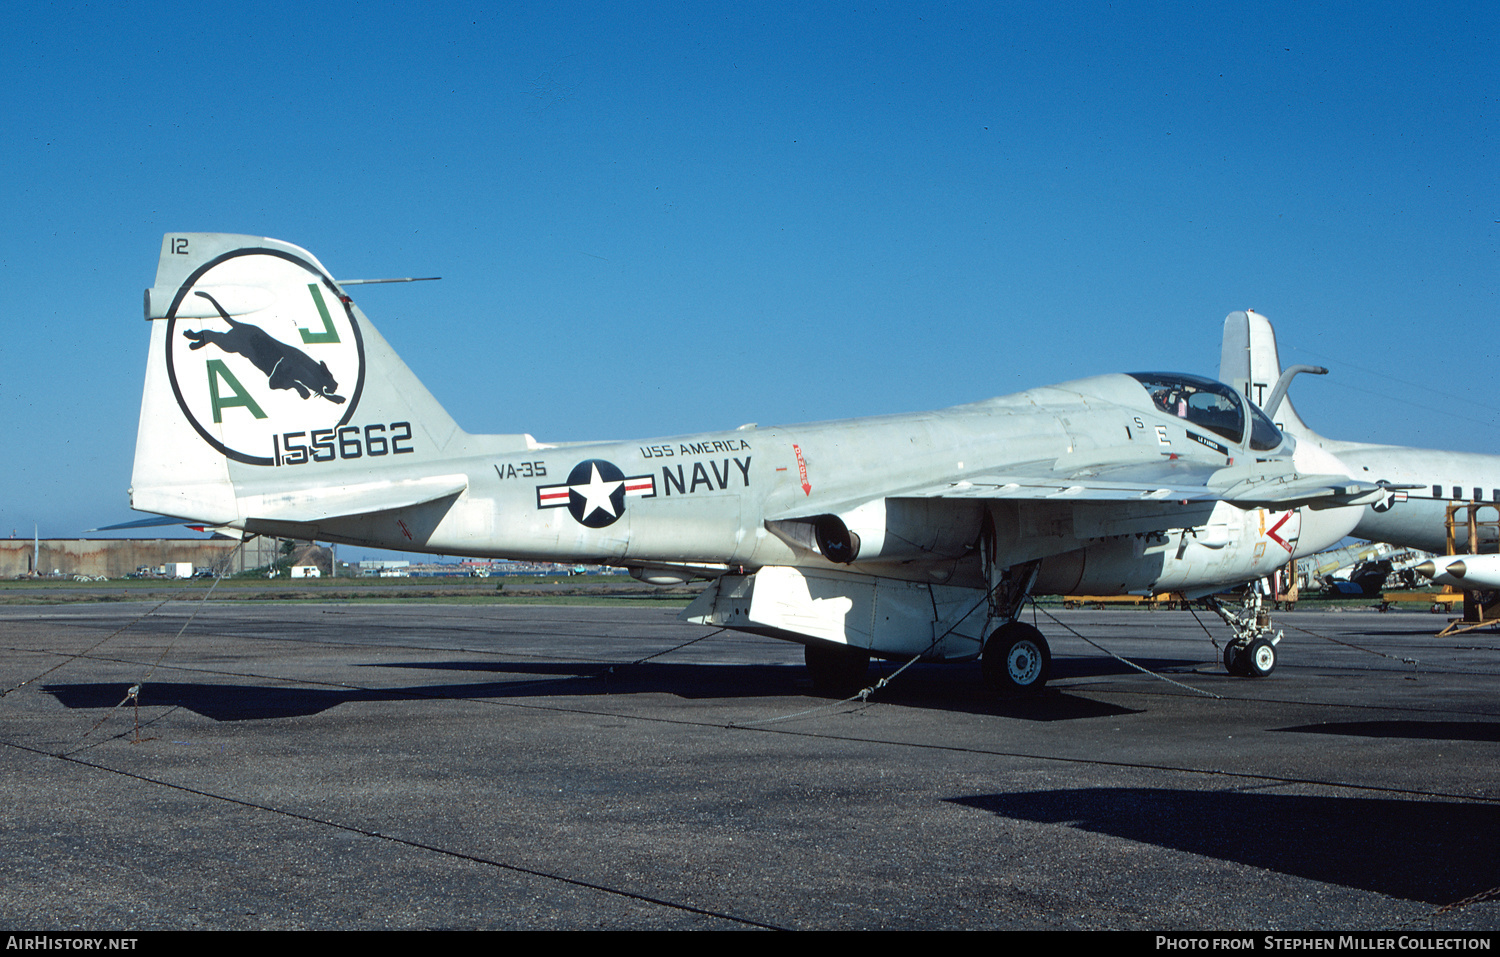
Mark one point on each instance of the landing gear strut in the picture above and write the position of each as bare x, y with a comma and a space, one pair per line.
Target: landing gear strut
1251, 653
1016, 659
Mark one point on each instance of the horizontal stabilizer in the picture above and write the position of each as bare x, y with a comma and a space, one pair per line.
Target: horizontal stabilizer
347, 501
155, 521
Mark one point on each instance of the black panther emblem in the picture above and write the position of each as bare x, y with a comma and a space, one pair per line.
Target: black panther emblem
285, 367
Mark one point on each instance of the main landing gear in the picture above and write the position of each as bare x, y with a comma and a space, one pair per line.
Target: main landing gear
1016, 660
1251, 653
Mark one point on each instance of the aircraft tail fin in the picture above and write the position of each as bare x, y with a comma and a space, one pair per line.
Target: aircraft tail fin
269, 396
1250, 363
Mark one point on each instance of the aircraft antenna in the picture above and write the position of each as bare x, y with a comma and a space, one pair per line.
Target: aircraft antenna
366, 282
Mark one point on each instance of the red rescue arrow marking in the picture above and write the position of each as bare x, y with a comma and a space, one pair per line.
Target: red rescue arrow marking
1271, 532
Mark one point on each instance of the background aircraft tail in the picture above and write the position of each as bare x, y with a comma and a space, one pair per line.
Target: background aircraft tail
270, 397
1249, 362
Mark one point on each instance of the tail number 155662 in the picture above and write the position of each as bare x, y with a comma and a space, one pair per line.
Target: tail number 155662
344, 442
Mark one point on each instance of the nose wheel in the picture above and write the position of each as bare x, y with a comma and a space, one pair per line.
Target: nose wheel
1260, 658
1251, 653
1234, 657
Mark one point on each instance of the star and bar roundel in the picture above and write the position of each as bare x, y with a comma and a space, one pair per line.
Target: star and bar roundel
595, 492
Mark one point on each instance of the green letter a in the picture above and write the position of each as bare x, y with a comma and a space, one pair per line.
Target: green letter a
216, 371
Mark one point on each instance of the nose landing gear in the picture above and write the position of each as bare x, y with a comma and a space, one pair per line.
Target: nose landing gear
1251, 653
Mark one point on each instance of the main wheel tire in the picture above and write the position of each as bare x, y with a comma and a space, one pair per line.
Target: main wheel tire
1016, 660
1260, 658
836, 669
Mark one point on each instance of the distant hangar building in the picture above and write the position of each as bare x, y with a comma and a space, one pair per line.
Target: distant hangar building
118, 557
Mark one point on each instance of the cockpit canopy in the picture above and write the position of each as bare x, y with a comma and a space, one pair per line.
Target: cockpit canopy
1210, 405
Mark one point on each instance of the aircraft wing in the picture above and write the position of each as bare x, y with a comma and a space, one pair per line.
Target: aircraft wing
1167, 481
1103, 499
1174, 480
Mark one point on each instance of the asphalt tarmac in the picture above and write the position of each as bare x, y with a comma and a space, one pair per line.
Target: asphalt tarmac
403, 766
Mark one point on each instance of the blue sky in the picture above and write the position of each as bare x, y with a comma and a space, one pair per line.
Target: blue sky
654, 219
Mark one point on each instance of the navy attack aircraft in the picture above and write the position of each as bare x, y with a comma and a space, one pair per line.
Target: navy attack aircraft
272, 406
1421, 485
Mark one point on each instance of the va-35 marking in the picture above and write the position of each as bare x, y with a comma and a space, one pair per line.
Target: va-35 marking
898, 536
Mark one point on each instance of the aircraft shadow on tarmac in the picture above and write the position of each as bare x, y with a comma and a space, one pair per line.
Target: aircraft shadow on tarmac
956, 688
1487, 731
946, 687
951, 675
1422, 631
1437, 852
